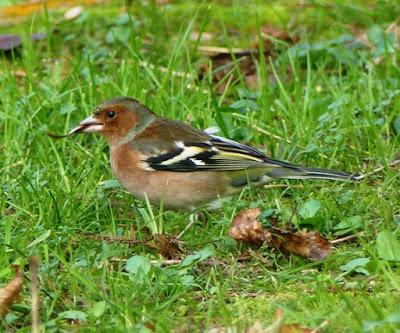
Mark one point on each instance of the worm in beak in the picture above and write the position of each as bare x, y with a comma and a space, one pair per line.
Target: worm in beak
88, 125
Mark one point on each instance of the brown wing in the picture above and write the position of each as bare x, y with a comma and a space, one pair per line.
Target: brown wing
161, 136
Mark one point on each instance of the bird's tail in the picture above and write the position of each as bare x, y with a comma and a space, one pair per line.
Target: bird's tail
314, 173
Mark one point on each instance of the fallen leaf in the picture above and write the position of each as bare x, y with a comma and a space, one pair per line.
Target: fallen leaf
309, 245
150, 326
269, 33
10, 293
227, 65
73, 13
10, 42
204, 36
246, 228
167, 246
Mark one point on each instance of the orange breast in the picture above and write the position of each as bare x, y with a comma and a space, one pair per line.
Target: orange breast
174, 189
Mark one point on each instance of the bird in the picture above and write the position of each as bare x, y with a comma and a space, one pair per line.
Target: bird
173, 164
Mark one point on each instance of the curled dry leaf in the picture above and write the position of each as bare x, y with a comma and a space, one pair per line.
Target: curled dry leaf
224, 63
309, 245
167, 246
10, 293
246, 228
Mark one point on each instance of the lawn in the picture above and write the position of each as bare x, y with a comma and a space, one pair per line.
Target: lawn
327, 95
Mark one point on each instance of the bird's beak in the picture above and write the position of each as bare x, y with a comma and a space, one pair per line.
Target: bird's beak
88, 125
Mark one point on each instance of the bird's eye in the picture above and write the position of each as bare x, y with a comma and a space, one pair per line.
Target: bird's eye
111, 114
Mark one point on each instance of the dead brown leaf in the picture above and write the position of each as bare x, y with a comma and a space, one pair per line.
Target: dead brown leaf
28, 8
269, 33
225, 64
10, 293
309, 245
228, 65
246, 228
150, 326
167, 246
204, 36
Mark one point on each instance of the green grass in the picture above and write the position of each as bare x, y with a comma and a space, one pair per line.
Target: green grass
338, 108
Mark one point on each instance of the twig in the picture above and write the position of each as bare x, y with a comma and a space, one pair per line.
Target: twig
33, 266
166, 70
379, 169
344, 239
111, 239
320, 327
167, 262
283, 185
218, 50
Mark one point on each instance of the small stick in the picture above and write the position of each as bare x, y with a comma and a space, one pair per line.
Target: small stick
111, 239
391, 165
283, 185
320, 327
56, 136
344, 239
167, 262
33, 266
219, 50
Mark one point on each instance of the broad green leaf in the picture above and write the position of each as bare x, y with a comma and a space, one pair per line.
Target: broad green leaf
346, 196
309, 209
355, 263
244, 105
138, 265
73, 315
388, 246
348, 224
110, 183
396, 125
98, 309
197, 256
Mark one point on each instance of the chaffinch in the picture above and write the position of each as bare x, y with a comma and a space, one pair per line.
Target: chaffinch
179, 166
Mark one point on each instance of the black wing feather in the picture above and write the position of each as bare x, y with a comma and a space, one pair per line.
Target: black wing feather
218, 154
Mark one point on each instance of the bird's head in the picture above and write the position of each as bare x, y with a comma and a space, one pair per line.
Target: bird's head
118, 119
